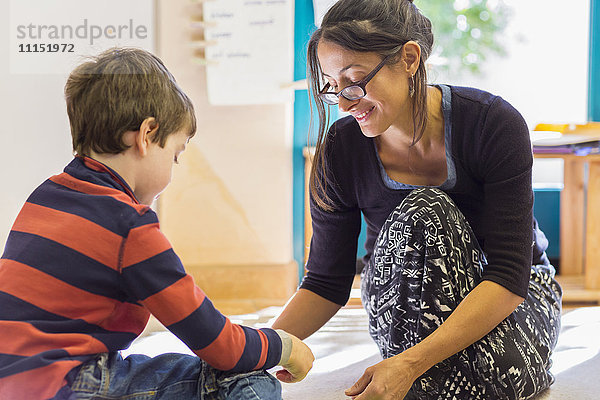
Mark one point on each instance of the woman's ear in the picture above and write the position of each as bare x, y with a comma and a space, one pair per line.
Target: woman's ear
143, 137
411, 56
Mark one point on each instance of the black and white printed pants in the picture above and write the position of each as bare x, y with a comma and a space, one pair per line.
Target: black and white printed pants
425, 261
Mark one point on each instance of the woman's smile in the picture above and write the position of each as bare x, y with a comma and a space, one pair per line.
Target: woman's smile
363, 116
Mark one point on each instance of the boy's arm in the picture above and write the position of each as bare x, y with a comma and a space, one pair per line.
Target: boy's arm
155, 276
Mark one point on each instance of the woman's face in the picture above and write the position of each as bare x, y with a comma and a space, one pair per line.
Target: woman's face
387, 103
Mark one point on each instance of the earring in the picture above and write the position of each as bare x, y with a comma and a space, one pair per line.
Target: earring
411, 90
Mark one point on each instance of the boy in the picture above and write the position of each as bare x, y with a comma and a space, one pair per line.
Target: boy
85, 262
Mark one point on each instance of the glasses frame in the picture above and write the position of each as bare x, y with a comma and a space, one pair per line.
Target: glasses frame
362, 85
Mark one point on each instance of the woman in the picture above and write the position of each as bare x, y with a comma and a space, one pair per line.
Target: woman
460, 295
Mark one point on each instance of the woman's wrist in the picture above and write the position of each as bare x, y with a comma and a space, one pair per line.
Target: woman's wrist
417, 360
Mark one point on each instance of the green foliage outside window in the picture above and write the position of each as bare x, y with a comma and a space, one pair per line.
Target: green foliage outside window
466, 32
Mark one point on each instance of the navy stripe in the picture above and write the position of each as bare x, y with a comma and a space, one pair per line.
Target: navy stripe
109, 213
154, 274
113, 340
200, 328
79, 170
275, 348
14, 364
251, 354
147, 218
6, 361
15, 309
64, 264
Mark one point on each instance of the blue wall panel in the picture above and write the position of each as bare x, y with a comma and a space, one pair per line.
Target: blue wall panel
304, 26
594, 66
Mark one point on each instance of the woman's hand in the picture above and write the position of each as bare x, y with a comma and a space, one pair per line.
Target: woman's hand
482, 310
387, 380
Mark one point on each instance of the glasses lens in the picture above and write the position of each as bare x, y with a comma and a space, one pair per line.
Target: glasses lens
329, 98
353, 93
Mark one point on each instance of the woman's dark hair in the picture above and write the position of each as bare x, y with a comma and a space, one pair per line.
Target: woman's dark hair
379, 26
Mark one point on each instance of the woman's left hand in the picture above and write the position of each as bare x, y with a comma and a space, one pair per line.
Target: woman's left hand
387, 380
482, 310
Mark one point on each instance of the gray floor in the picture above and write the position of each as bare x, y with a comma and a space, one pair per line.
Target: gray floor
344, 350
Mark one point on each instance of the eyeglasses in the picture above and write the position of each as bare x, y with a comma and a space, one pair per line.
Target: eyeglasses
352, 92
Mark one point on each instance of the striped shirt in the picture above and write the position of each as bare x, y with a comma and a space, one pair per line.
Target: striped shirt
83, 268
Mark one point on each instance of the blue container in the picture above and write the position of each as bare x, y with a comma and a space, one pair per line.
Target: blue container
546, 208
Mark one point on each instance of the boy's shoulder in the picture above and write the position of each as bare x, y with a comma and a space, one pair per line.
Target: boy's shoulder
85, 195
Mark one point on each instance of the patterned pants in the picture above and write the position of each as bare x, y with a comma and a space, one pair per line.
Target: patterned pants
425, 261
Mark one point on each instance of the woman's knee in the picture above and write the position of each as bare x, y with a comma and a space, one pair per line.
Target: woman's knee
425, 203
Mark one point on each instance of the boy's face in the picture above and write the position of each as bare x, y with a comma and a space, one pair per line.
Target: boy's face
158, 165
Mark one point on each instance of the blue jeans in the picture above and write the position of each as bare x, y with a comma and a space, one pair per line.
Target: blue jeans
166, 377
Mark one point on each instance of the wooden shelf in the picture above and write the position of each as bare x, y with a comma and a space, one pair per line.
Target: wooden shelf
574, 291
589, 157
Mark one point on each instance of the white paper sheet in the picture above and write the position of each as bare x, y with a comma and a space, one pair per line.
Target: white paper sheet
252, 59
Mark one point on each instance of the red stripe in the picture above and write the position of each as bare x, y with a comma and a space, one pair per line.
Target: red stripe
142, 243
225, 352
23, 339
38, 384
175, 302
55, 296
264, 350
72, 231
126, 317
67, 180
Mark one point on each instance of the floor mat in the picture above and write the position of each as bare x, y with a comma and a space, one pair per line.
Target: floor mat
344, 349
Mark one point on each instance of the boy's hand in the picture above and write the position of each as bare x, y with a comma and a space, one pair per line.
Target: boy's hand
300, 362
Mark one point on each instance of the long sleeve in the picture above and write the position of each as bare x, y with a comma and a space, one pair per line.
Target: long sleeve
505, 169
332, 260
154, 274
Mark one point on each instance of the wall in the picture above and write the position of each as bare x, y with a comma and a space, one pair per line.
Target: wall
34, 134
228, 211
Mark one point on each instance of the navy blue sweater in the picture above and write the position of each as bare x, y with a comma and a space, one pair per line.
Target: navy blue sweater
489, 161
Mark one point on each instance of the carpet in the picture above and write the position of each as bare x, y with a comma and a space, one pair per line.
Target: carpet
344, 349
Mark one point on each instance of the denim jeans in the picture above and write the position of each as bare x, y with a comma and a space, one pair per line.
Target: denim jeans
166, 377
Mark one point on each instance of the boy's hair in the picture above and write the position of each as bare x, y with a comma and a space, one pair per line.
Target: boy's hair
115, 92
